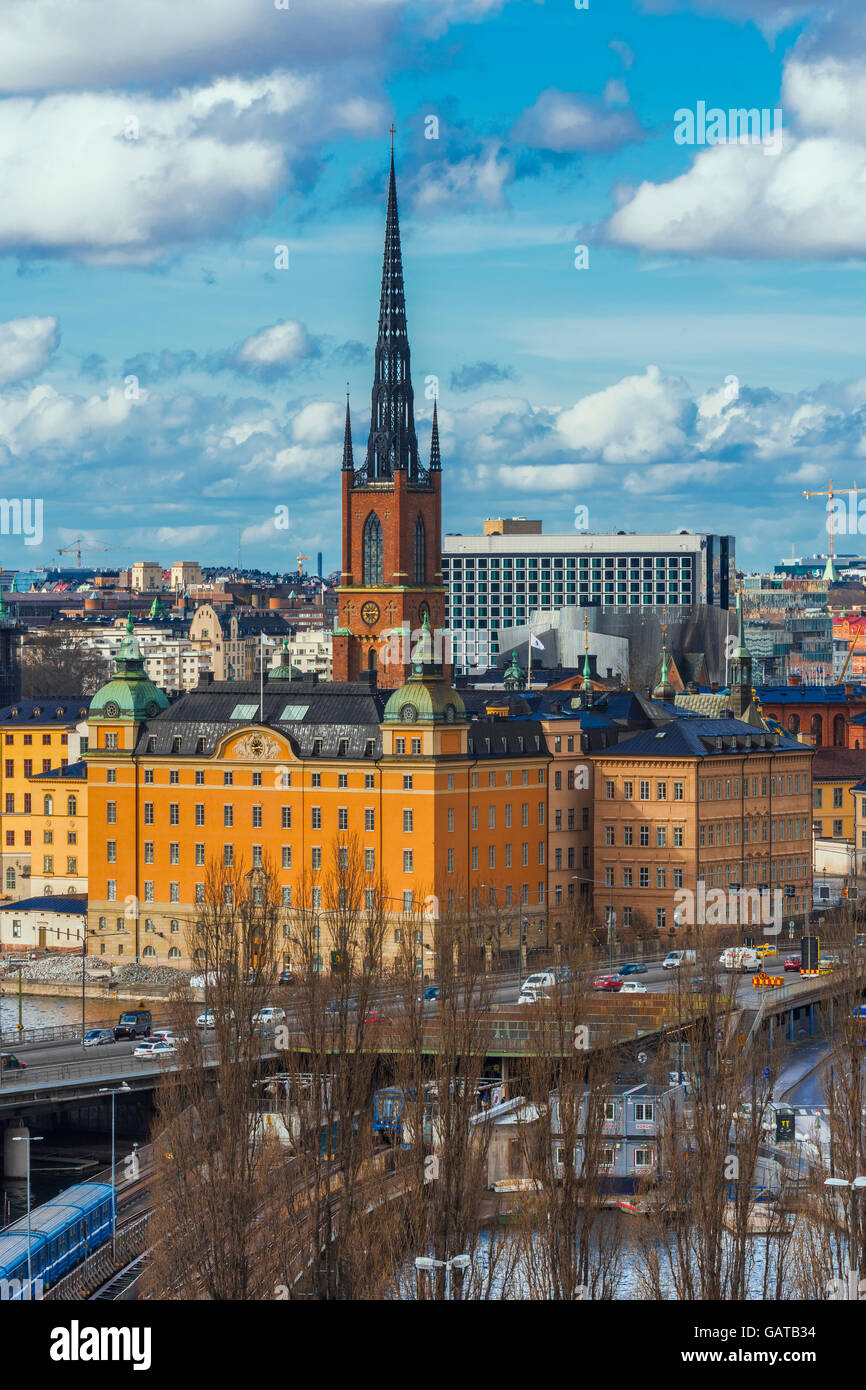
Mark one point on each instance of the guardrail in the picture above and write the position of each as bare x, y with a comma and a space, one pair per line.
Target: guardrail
60, 1032
96, 1269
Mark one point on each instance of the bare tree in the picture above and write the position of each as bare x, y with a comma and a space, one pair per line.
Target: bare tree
56, 661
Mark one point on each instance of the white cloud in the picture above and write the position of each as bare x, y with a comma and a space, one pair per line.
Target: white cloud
26, 347
640, 418
281, 345
50, 44
805, 200
478, 178
566, 121
123, 179
320, 422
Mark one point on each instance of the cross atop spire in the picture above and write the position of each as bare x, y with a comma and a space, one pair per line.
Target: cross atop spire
392, 129
392, 445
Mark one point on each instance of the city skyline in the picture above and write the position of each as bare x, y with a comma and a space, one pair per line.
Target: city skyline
178, 341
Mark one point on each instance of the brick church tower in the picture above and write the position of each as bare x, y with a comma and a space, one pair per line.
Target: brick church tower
392, 511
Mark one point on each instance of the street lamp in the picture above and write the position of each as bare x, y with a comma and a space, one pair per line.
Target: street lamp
854, 1187
113, 1091
456, 1262
28, 1139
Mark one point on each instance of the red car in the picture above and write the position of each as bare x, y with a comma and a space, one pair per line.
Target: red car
374, 1017
612, 983
792, 963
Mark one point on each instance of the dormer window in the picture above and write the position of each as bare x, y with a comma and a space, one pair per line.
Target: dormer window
37, 710
199, 745
720, 743
317, 747
151, 743
175, 743
343, 750
58, 714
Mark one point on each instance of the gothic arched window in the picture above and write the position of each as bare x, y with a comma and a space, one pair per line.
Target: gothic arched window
839, 731
373, 569
420, 551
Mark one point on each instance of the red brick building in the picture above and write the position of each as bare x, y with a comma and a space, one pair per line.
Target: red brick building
392, 507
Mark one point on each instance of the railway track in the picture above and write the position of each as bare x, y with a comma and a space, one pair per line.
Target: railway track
119, 1284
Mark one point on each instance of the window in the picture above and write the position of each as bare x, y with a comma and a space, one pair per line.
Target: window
342, 818
661, 791
420, 551
286, 814
408, 819
628, 790
408, 783
678, 791
148, 776
678, 836
174, 852
399, 745
174, 813
408, 861
416, 745
199, 781
372, 550
111, 851
228, 815
316, 857
111, 890
316, 817
174, 775
644, 791
257, 817
610, 790
644, 1112
228, 779
111, 774
111, 741
199, 854
199, 813
369, 861
111, 811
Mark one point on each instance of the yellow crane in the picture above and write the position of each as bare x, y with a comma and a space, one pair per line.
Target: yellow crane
830, 493
301, 559
76, 550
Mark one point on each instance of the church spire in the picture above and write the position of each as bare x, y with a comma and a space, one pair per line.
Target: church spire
435, 460
348, 456
392, 445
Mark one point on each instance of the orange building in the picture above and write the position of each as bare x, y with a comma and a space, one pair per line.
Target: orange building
36, 738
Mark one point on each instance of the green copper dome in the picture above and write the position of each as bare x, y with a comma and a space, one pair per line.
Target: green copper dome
426, 700
284, 670
130, 694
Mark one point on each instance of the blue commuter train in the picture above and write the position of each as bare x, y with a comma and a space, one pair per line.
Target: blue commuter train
63, 1232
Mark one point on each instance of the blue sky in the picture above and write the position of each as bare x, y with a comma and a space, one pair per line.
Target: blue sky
164, 388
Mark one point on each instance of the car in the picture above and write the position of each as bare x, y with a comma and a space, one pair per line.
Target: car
286, 977
206, 1020
764, 949
675, 959
830, 960
429, 994
635, 967
9, 1062
166, 1035
633, 987
532, 996
700, 985
793, 963
612, 983
151, 1048
98, 1037
269, 1015
336, 1006
375, 1017
134, 1023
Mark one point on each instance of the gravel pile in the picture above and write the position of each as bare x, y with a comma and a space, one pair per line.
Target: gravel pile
57, 969
133, 974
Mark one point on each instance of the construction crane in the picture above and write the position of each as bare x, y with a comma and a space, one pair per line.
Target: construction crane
301, 559
829, 493
76, 550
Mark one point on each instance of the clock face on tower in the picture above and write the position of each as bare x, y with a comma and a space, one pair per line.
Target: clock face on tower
370, 613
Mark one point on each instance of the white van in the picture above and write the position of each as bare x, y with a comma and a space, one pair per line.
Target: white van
674, 959
740, 958
543, 980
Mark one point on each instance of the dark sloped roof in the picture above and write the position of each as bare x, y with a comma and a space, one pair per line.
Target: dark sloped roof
75, 772
501, 738
332, 712
53, 709
63, 903
834, 764
810, 694
695, 738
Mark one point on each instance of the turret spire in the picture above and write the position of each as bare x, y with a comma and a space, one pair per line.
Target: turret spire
348, 456
392, 444
435, 460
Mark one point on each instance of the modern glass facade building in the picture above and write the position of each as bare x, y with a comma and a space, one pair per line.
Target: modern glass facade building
497, 581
